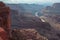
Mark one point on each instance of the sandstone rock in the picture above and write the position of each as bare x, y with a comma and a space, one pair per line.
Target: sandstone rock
4, 21
3, 34
27, 34
4, 16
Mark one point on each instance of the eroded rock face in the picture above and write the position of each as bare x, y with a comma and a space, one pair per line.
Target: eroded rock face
27, 34
4, 21
3, 34
4, 16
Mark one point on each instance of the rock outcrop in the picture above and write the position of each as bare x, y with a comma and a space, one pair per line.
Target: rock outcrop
4, 21
27, 34
4, 16
3, 34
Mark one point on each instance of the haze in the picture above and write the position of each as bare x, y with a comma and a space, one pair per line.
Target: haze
30, 1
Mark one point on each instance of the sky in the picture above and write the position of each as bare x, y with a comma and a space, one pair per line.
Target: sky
30, 1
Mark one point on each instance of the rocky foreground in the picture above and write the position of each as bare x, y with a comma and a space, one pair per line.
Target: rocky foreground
27, 34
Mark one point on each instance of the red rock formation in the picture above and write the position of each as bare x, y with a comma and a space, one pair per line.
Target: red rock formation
4, 21
3, 34
4, 16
